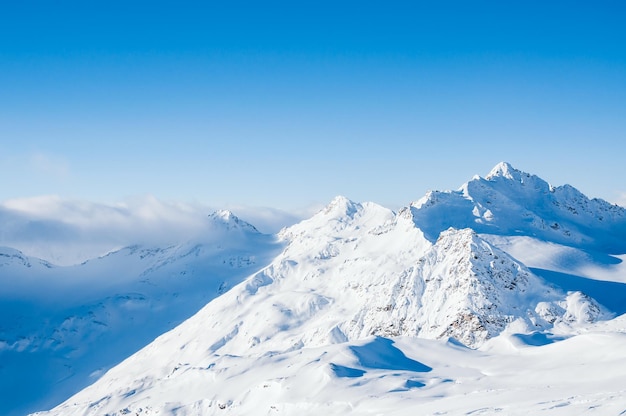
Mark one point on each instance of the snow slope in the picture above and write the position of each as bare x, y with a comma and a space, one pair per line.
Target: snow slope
63, 327
399, 376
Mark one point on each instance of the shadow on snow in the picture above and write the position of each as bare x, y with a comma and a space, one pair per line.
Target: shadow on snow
611, 295
379, 354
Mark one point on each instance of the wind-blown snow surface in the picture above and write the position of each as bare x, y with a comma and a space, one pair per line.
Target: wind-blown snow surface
366, 311
62, 327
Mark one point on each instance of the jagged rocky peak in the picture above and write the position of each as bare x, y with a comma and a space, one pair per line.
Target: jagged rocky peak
565, 201
534, 193
460, 287
226, 219
505, 172
509, 201
468, 290
479, 261
464, 236
488, 290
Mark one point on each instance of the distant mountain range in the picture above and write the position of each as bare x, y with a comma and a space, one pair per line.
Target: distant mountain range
334, 314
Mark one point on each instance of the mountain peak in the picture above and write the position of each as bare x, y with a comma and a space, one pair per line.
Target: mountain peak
223, 214
341, 201
228, 220
512, 202
504, 170
340, 206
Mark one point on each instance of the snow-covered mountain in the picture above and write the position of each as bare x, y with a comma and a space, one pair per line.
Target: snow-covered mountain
369, 311
513, 203
62, 327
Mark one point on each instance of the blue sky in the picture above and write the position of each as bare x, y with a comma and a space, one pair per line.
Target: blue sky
287, 104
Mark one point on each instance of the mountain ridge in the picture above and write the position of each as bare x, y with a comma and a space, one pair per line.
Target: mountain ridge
511, 202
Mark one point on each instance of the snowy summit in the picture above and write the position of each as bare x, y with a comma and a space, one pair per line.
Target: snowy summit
229, 221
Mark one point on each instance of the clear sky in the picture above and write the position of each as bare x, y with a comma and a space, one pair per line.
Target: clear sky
287, 104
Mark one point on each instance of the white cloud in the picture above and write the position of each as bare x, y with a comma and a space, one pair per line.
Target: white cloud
69, 231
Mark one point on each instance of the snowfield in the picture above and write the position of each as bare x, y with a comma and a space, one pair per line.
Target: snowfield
507, 296
403, 376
